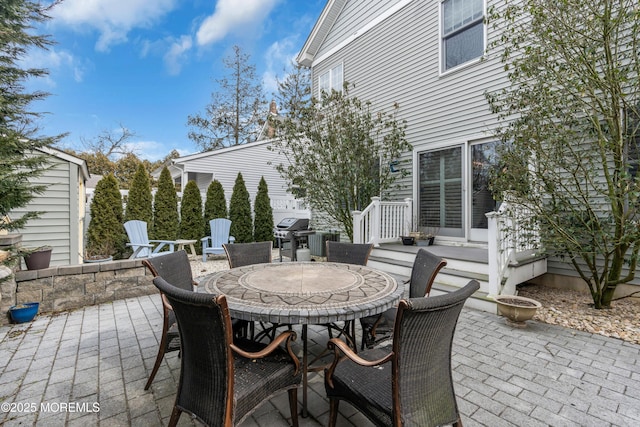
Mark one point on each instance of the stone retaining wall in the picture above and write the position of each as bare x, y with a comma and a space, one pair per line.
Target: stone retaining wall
68, 287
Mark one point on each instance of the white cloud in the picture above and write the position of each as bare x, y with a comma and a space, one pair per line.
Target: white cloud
175, 58
232, 16
113, 19
56, 61
277, 60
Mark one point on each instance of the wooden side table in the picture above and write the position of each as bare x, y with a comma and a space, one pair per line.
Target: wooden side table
182, 243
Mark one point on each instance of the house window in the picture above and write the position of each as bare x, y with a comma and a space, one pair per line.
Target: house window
462, 31
331, 80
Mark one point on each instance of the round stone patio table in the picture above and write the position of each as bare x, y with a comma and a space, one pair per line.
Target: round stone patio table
304, 293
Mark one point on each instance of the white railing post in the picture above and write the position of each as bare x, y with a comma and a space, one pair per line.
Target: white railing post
357, 227
374, 224
494, 253
408, 216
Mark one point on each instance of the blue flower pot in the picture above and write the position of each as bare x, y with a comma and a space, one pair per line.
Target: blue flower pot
22, 313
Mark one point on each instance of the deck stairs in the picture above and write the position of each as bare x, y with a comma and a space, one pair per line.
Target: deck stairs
464, 263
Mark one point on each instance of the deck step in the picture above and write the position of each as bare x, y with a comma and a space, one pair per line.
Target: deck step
462, 266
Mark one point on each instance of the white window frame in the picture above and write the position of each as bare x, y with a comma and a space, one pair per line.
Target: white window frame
467, 25
335, 78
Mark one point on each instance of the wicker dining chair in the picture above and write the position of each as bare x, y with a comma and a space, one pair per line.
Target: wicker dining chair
424, 271
347, 253
410, 383
241, 254
174, 268
220, 383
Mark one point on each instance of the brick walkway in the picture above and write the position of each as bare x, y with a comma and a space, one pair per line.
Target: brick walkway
55, 369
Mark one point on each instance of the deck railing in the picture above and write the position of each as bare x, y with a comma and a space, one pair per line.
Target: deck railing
513, 237
382, 222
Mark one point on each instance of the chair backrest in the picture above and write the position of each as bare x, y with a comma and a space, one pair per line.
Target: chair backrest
220, 228
348, 253
173, 267
424, 271
423, 333
241, 254
206, 375
138, 235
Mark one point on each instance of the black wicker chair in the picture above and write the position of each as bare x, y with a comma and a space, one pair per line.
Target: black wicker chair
425, 268
347, 253
409, 383
220, 383
174, 268
241, 254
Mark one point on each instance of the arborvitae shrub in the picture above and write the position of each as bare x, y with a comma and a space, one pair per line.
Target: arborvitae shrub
215, 206
262, 214
240, 212
166, 220
191, 219
106, 234
140, 201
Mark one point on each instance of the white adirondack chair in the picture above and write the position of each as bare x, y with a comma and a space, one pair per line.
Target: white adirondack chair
212, 244
139, 241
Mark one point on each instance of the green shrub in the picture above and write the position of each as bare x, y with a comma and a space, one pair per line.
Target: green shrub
262, 214
191, 219
106, 234
140, 201
216, 204
240, 212
166, 220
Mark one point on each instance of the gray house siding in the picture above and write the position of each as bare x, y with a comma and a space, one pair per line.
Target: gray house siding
253, 161
397, 60
62, 220
354, 14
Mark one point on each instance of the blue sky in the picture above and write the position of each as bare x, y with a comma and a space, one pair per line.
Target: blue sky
148, 64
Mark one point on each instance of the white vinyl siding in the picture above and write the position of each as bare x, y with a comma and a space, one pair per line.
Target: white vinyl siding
462, 32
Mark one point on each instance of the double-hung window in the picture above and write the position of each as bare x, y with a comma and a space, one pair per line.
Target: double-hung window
462, 31
331, 80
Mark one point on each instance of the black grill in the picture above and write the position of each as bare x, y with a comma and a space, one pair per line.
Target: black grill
293, 230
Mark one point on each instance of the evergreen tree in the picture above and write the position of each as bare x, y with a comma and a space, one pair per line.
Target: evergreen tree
19, 135
240, 212
166, 221
191, 219
236, 112
139, 201
262, 214
215, 205
106, 234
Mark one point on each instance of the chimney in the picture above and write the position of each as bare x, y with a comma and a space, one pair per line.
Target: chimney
273, 112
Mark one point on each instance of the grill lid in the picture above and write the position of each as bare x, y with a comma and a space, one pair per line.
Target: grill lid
293, 224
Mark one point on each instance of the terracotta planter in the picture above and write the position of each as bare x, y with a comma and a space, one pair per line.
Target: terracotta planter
517, 310
38, 260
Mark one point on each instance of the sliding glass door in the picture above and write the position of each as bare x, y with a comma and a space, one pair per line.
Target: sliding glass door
484, 159
453, 190
440, 194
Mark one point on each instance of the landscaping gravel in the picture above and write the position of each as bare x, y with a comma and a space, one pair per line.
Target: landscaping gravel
573, 309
